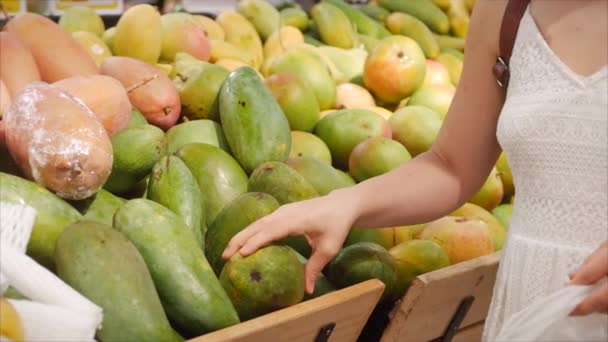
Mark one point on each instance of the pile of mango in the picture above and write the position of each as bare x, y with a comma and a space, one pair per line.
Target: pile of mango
147, 146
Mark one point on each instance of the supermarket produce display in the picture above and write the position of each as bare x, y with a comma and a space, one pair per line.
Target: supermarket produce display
147, 146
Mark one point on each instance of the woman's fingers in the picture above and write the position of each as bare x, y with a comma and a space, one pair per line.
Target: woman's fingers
596, 301
315, 264
594, 268
241, 238
262, 238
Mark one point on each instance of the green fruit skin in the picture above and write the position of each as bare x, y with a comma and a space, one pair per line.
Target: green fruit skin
296, 99
236, 216
424, 10
136, 150
322, 285
449, 42
410, 26
415, 127
104, 266
334, 26
191, 294
197, 131
304, 144
506, 176
369, 42
173, 185
342, 130
287, 186
139, 34
270, 279
453, 64
199, 89
220, 178
264, 17
294, 17
80, 18
363, 261
376, 156
384, 237
108, 38
282, 182
414, 258
363, 23
437, 98
52, 215
253, 122
308, 39
137, 119
322, 176
102, 206
310, 70
375, 12
503, 214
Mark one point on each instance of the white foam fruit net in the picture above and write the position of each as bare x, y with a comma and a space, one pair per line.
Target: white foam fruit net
54, 311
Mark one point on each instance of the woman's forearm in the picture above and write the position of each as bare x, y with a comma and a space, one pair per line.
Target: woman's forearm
419, 191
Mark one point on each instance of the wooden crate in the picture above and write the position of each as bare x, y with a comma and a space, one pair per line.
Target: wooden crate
429, 310
342, 314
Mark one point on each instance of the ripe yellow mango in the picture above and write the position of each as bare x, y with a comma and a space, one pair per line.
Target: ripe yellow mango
212, 29
138, 34
241, 33
281, 40
97, 49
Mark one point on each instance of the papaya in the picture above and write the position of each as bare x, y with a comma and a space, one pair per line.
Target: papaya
17, 65
101, 207
414, 258
296, 99
172, 184
363, 23
270, 279
199, 89
449, 42
282, 182
334, 26
139, 34
104, 266
191, 294
136, 150
322, 285
254, 124
360, 262
94, 45
181, 33
105, 96
241, 32
52, 215
57, 54
57, 141
295, 17
342, 130
234, 217
212, 29
136, 118
149, 89
498, 232
415, 127
264, 17
196, 131
424, 10
375, 12
304, 144
220, 178
410, 26
82, 18
322, 176
309, 69
225, 50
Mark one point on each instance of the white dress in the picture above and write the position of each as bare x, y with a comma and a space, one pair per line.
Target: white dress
553, 129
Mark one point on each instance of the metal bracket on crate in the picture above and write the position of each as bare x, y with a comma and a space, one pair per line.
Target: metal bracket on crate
457, 319
325, 332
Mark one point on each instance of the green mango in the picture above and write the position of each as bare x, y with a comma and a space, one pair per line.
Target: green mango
322, 176
197, 131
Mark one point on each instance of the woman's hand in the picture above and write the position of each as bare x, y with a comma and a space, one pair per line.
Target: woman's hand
594, 269
324, 221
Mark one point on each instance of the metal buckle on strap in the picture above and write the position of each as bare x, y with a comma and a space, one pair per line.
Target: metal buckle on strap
501, 72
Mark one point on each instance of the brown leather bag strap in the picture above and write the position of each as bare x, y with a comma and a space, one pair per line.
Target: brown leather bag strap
508, 32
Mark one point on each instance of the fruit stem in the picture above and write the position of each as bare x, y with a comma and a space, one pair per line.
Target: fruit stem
141, 83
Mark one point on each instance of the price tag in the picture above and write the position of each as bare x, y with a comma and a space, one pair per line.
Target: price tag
102, 7
14, 6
